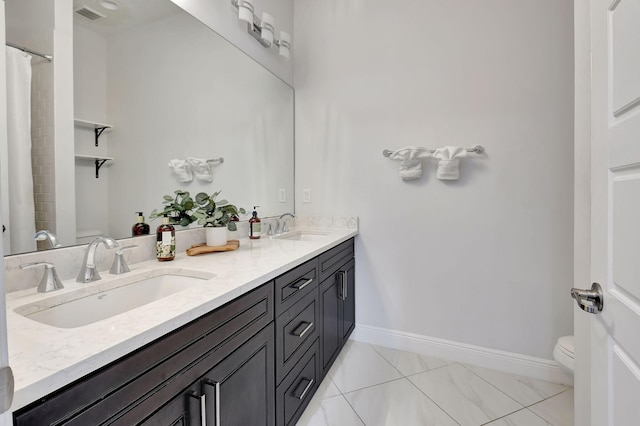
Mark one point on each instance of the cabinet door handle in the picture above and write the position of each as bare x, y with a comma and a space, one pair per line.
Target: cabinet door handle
304, 331
202, 403
310, 383
216, 386
299, 286
343, 285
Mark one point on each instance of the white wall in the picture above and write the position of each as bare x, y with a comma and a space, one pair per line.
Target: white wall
5, 419
90, 104
222, 17
486, 260
582, 213
63, 122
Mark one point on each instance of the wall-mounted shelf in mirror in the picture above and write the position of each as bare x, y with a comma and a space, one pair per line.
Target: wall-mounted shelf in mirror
97, 128
99, 161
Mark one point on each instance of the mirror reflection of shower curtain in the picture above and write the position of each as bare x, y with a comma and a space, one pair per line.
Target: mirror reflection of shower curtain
21, 221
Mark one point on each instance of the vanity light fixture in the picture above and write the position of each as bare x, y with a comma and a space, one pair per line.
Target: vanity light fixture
262, 30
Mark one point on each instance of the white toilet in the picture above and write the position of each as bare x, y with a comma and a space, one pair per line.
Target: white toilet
563, 354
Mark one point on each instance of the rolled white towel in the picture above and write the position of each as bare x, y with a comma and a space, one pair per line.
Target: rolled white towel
201, 169
449, 162
410, 158
181, 170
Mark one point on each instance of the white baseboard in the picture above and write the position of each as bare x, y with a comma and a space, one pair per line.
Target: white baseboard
522, 365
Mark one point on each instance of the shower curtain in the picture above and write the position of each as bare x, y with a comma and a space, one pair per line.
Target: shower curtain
21, 222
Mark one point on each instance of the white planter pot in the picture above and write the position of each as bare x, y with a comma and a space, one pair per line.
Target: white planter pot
216, 236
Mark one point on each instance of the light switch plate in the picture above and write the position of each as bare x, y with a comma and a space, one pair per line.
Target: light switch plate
282, 195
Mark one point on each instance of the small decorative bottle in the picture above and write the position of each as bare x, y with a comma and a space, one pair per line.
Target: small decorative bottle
140, 228
166, 241
255, 227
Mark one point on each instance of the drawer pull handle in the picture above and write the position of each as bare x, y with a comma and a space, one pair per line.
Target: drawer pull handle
343, 285
202, 401
299, 286
216, 386
310, 383
304, 331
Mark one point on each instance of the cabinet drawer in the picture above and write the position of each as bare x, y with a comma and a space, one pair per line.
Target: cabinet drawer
297, 389
296, 331
138, 379
293, 285
332, 260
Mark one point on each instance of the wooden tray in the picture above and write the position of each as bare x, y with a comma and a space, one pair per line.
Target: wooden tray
203, 248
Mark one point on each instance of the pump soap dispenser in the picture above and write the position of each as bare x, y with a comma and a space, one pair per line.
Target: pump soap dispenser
255, 226
140, 228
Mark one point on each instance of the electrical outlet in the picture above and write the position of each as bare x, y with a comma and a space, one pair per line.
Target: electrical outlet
282, 195
306, 195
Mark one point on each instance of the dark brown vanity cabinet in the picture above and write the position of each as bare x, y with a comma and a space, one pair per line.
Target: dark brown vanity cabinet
237, 391
158, 383
337, 302
257, 360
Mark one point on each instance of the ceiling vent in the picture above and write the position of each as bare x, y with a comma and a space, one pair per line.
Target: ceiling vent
88, 13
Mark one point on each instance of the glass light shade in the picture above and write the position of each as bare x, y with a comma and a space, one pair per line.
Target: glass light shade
267, 28
285, 43
245, 11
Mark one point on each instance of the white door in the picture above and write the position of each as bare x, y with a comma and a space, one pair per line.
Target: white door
615, 210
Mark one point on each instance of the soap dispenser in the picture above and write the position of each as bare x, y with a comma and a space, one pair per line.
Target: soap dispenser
255, 226
140, 228
166, 240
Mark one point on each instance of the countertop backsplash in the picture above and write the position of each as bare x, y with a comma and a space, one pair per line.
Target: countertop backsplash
68, 260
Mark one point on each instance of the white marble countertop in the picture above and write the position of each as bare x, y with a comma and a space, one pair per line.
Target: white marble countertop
46, 358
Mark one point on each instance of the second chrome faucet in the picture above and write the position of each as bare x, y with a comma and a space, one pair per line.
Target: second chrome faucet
89, 271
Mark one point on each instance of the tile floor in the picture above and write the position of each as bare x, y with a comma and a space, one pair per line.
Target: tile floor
372, 385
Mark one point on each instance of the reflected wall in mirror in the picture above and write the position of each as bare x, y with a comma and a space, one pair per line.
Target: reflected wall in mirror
171, 88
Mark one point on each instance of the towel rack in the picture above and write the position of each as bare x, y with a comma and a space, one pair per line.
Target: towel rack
478, 149
216, 161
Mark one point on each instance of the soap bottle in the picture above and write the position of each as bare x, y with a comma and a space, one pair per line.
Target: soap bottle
140, 228
255, 226
166, 240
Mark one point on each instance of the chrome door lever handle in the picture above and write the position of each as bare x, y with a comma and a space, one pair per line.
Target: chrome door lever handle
590, 301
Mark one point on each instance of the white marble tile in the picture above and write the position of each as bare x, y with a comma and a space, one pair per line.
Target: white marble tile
464, 396
334, 411
408, 362
397, 403
525, 390
327, 389
557, 410
359, 366
523, 417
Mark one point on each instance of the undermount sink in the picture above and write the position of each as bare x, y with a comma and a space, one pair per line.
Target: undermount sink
102, 301
301, 235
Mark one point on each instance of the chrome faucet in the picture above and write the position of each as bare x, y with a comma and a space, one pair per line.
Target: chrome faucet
89, 271
282, 224
47, 235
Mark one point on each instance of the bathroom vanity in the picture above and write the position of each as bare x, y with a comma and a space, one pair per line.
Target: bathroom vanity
253, 354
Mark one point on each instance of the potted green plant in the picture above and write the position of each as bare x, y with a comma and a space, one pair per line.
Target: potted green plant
216, 217
180, 209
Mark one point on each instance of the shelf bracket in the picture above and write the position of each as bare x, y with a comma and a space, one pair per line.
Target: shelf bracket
98, 131
99, 164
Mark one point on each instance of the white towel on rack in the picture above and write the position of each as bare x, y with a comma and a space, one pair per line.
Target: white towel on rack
449, 161
181, 170
201, 169
410, 158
